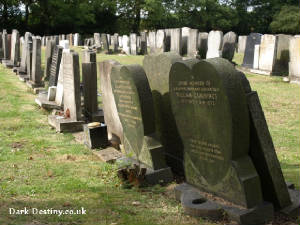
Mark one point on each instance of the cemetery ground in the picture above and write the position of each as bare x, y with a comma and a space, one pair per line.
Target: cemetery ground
43, 169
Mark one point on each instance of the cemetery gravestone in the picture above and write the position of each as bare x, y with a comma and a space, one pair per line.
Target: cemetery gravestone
5, 45
242, 44
36, 64
15, 48
89, 79
54, 70
125, 44
214, 44
202, 44
176, 43
143, 43
29, 59
168, 40
185, 31
228, 48
294, 69
157, 68
105, 43
152, 41
267, 54
252, 40
282, 54
192, 45
160, 41
23, 65
111, 117
59, 97
97, 40
133, 44
135, 108
49, 53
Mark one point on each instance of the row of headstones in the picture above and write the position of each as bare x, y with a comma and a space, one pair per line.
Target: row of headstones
74, 39
184, 41
30, 61
271, 54
201, 119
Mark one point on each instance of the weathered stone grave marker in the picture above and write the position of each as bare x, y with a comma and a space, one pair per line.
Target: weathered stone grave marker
135, 108
252, 40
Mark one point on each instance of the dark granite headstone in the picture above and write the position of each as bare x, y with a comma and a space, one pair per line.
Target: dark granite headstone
36, 62
157, 68
89, 79
252, 40
55, 63
229, 44
29, 59
212, 117
135, 108
49, 53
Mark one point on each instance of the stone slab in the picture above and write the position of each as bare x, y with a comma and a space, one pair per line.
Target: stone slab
201, 204
45, 104
62, 124
108, 155
95, 137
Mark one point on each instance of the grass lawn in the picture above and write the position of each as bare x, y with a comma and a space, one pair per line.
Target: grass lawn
43, 169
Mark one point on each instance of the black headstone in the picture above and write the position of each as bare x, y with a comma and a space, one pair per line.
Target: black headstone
252, 40
55, 64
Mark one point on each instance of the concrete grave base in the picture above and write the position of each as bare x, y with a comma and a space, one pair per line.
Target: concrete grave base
195, 203
108, 155
39, 90
152, 177
292, 210
24, 77
8, 63
43, 102
33, 85
21, 71
62, 124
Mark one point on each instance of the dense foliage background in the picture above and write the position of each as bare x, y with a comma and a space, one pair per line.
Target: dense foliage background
125, 16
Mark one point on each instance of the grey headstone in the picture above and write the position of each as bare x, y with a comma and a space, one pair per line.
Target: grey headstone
125, 44
282, 54
242, 44
105, 43
152, 41
192, 43
72, 85
48, 55
267, 52
15, 47
160, 41
55, 63
202, 44
37, 73
144, 43
252, 40
214, 44
229, 44
135, 108
111, 117
176, 42
133, 44
294, 68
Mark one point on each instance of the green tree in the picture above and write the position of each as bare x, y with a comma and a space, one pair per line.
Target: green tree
287, 20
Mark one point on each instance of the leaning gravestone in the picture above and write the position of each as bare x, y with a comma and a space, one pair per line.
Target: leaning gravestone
214, 44
111, 117
202, 44
294, 69
157, 68
228, 48
252, 40
59, 96
55, 63
228, 149
135, 108
49, 53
